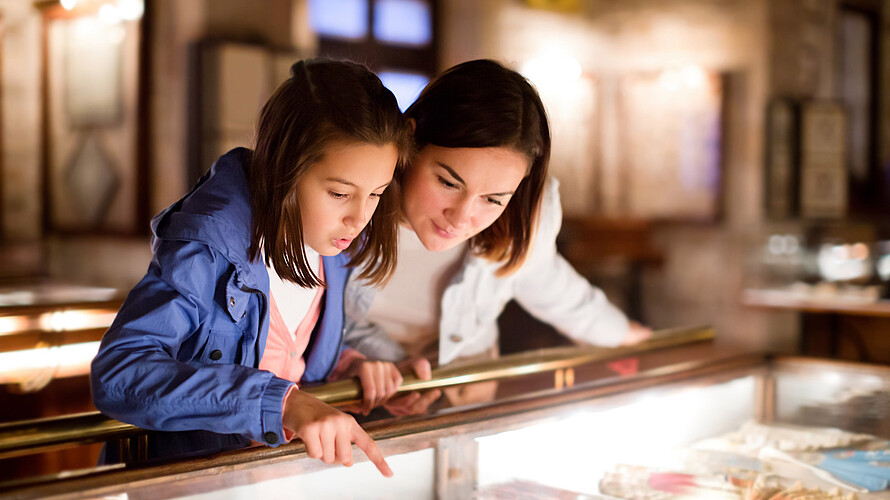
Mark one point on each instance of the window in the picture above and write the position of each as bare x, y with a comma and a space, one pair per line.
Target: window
395, 38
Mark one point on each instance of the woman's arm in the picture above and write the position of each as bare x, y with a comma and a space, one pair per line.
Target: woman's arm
550, 289
149, 371
359, 333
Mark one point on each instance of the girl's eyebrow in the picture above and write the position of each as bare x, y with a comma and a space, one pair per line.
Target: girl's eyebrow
344, 181
458, 179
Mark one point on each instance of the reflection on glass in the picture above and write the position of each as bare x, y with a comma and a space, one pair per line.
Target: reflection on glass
844, 262
339, 18
407, 22
405, 86
573, 452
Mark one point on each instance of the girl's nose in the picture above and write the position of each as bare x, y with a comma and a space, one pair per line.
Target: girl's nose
358, 216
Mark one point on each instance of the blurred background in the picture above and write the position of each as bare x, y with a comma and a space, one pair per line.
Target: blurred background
722, 162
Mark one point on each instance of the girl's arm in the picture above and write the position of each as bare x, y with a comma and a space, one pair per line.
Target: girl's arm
549, 288
150, 372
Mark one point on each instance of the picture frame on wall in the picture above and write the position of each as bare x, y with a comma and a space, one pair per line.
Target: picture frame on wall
95, 155
782, 146
823, 157
670, 128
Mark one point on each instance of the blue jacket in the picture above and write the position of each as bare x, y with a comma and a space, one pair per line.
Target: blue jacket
183, 351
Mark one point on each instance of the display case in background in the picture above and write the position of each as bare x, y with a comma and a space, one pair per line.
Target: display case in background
548, 443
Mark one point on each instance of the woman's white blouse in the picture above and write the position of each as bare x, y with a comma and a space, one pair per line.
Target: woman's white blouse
545, 285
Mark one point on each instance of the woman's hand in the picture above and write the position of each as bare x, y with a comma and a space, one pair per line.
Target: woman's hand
414, 403
636, 333
379, 381
327, 432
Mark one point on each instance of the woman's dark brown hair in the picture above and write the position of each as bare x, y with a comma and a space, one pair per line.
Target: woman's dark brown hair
482, 104
324, 102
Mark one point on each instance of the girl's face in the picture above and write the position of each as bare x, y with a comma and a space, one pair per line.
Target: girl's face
452, 194
338, 195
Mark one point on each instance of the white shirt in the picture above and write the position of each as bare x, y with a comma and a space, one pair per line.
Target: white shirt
409, 307
293, 301
545, 285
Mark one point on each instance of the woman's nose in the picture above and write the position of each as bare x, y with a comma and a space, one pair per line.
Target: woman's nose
459, 214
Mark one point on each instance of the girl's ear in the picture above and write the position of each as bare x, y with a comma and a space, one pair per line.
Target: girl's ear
413, 123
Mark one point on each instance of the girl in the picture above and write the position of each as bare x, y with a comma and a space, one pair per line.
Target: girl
183, 352
479, 226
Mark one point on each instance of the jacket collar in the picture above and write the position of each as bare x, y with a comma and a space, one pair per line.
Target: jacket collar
217, 213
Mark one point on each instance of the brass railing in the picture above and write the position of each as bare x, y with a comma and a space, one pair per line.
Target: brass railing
36, 436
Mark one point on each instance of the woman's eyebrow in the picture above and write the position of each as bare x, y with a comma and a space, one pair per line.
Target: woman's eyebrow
463, 182
452, 173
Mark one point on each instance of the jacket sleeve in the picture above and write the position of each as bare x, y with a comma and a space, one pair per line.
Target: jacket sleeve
139, 377
550, 289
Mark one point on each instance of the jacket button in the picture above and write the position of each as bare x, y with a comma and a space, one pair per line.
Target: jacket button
455, 338
270, 437
215, 354
232, 301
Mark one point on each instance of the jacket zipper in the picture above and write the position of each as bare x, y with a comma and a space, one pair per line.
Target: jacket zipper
262, 298
336, 357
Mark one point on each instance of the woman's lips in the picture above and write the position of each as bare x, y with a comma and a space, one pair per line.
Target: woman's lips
443, 233
342, 243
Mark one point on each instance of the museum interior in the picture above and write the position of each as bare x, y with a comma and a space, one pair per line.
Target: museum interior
722, 165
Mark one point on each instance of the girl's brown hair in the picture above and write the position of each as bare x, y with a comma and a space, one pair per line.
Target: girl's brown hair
482, 104
323, 102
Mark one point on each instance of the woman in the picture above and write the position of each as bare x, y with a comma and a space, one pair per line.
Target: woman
479, 223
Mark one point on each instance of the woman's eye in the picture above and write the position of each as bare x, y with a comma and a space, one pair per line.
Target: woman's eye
446, 183
337, 196
494, 201
376, 195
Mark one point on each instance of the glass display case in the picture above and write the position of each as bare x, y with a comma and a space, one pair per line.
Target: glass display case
537, 442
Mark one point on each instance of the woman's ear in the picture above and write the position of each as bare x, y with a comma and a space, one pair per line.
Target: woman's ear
413, 123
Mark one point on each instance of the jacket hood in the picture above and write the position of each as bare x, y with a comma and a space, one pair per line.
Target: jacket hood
216, 212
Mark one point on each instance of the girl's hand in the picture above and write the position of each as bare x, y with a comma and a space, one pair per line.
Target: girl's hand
636, 333
379, 380
327, 432
414, 403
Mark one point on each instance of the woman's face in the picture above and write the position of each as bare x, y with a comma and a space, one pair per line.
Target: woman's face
452, 194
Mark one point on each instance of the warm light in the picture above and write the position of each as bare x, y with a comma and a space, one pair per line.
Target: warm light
10, 324
670, 79
693, 77
557, 69
68, 4
859, 251
832, 378
34, 368
109, 14
130, 10
59, 321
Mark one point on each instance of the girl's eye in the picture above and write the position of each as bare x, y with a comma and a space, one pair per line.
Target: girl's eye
446, 183
337, 196
494, 201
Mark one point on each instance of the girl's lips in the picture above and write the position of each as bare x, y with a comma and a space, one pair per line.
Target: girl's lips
443, 233
342, 243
